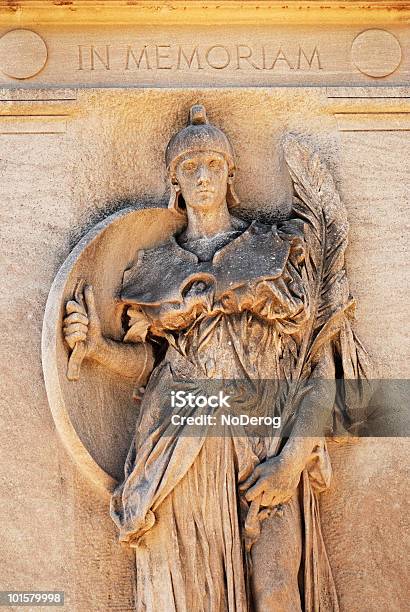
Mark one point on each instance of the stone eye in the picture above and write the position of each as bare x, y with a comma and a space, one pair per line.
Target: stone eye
214, 163
189, 166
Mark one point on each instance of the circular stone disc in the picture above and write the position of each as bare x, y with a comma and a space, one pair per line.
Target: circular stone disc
23, 54
96, 415
376, 53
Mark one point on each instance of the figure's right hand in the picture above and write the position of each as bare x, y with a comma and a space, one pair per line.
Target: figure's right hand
82, 323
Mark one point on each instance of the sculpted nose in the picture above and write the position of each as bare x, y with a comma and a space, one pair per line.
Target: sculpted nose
203, 176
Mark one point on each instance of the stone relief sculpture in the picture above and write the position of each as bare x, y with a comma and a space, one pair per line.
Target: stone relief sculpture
231, 522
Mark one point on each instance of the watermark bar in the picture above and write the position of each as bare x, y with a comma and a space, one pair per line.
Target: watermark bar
266, 408
31, 598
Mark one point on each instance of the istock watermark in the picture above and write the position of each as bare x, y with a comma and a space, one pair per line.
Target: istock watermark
215, 410
265, 408
180, 399
226, 419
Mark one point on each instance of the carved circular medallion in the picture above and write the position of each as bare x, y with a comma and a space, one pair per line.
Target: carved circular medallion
376, 53
23, 54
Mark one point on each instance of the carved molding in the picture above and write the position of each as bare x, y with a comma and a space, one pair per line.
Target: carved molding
197, 12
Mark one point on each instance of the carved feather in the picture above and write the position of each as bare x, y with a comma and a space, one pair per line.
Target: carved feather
318, 203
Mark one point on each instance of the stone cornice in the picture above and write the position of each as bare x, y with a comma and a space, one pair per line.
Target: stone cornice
19, 13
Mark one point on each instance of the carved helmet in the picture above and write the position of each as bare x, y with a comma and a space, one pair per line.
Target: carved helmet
199, 135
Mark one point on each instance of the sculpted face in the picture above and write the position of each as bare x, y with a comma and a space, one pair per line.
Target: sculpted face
203, 178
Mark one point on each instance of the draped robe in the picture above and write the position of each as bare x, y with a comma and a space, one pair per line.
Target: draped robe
232, 309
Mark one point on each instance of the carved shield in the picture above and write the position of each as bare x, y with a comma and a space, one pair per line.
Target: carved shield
95, 415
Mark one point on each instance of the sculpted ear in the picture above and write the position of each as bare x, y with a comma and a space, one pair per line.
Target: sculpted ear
173, 203
231, 198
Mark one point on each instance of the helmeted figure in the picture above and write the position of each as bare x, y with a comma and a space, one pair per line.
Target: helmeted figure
230, 522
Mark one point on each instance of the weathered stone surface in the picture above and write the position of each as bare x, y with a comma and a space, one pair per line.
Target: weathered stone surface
365, 523
71, 156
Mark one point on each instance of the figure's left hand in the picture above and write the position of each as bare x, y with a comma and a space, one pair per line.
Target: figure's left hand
276, 480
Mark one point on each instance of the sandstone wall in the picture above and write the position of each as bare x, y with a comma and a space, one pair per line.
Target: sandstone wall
102, 151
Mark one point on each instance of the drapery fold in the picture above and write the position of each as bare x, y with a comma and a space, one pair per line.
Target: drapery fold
179, 505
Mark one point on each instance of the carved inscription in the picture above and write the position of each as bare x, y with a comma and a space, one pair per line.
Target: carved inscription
134, 57
93, 58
